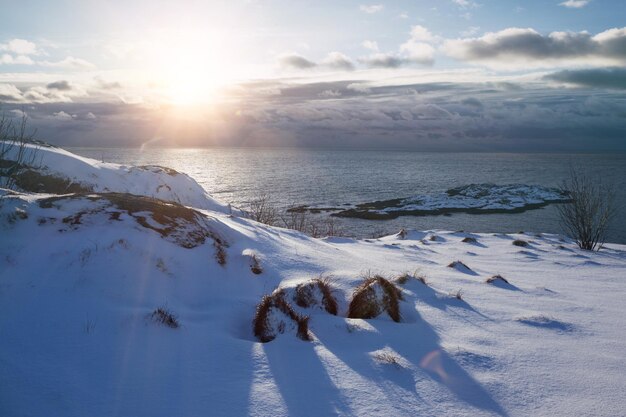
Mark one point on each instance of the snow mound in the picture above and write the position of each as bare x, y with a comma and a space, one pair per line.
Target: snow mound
59, 171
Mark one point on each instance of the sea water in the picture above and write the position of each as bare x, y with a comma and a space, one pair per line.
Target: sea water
337, 177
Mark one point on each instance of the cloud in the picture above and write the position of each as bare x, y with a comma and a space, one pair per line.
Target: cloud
574, 4
61, 115
371, 8
465, 3
598, 77
337, 60
330, 94
15, 60
334, 60
416, 50
70, 63
295, 61
19, 47
517, 47
10, 93
61, 85
381, 60
371, 45
107, 85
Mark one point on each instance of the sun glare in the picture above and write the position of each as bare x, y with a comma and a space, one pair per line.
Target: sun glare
193, 66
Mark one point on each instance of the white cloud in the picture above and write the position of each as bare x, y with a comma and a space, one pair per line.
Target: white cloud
10, 93
371, 8
574, 4
337, 60
61, 115
465, 3
371, 45
15, 60
418, 52
420, 33
70, 63
19, 47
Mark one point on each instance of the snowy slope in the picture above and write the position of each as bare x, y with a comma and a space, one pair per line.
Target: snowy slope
151, 181
80, 276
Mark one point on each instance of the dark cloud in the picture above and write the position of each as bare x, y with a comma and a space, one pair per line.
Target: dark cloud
599, 77
295, 61
61, 85
339, 61
528, 44
384, 61
426, 116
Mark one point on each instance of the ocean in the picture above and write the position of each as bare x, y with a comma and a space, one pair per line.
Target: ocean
338, 177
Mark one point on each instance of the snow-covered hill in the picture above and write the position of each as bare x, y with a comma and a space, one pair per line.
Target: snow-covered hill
129, 300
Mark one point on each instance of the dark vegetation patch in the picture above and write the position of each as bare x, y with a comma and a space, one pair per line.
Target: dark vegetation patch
181, 225
469, 240
266, 328
375, 295
521, 243
165, 317
33, 181
158, 168
305, 295
255, 266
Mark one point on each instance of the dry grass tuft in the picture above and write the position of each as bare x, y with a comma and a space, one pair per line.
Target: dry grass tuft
304, 295
164, 316
255, 266
404, 278
387, 358
520, 243
262, 327
469, 240
220, 253
496, 278
458, 264
365, 303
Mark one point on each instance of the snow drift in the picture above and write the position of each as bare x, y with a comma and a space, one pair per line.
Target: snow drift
129, 299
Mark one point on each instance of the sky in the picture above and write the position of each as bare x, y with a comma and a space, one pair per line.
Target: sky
429, 75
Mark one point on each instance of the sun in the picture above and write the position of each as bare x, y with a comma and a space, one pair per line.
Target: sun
194, 65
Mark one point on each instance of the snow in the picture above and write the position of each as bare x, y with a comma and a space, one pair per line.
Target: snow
150, 181
472, 198
77, 336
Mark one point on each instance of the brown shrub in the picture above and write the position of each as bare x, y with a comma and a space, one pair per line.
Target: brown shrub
496, 278
366, 305
304, 295
458, 264
469, 240
262, 327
